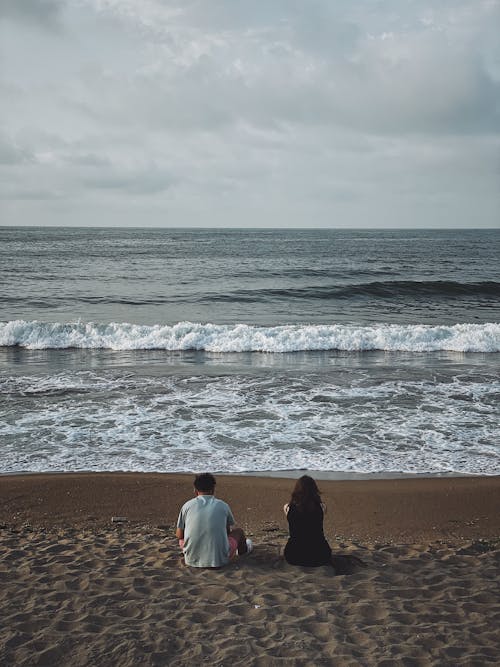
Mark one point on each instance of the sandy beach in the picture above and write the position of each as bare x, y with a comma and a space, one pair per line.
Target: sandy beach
80, 589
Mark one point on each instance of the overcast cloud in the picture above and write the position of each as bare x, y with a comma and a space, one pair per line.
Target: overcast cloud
269, 113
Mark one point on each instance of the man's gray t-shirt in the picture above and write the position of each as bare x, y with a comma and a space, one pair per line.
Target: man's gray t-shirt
205, 520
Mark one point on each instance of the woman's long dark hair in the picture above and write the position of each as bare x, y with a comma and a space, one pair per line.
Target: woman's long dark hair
306, 496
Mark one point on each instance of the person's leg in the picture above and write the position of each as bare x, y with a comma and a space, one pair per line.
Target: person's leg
240, 537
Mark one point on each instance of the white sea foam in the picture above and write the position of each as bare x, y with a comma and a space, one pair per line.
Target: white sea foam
247, 338
100, 421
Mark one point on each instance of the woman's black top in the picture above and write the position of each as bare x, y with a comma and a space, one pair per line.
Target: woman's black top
307, 544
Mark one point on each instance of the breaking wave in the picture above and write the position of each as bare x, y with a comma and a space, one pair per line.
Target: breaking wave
247, 338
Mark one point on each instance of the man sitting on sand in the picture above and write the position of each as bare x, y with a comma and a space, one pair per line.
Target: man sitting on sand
205, 528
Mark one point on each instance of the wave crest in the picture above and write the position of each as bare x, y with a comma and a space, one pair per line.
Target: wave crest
248, 338
391, 289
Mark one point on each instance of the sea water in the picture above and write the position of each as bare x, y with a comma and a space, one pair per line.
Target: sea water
349, 351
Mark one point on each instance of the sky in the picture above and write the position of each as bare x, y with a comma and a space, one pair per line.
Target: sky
231, 113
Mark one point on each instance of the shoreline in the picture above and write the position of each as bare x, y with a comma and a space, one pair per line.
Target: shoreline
404, 510
336, 475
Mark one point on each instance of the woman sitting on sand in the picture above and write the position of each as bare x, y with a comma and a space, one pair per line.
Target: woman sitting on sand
307, 544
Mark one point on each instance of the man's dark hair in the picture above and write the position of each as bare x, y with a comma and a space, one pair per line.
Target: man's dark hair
204, 482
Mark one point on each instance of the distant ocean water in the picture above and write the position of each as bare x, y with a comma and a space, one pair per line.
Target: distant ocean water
250, 350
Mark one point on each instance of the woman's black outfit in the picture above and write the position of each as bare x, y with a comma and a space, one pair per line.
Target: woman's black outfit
307, 544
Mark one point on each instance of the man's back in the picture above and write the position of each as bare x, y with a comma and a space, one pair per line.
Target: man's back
205, 521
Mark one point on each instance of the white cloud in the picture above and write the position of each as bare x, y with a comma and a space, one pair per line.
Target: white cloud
11, 153
290, 112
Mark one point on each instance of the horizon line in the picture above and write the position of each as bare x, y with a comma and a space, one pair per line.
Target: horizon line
261, 228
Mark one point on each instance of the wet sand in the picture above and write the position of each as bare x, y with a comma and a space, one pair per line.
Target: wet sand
79, 589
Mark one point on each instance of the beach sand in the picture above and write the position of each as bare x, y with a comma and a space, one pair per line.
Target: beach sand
78, 589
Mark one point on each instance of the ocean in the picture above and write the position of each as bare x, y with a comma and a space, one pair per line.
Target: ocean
339, 352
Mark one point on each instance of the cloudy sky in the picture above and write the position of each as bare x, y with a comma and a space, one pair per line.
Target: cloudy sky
274, 113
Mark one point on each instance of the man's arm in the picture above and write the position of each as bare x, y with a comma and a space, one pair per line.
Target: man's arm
179, 530
230, 522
